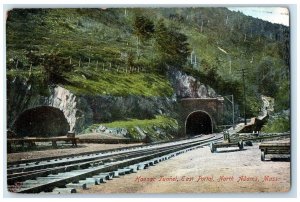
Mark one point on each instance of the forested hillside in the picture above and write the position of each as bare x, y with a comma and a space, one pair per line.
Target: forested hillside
128, 51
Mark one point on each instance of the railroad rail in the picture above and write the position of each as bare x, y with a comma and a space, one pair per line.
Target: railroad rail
66, 174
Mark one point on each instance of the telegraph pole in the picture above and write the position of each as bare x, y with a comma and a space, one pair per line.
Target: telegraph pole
232, 103
244, 88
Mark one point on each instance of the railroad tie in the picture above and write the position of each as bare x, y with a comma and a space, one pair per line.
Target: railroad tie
96, 180
151, 163
140, 166
144, 165
155, 161
100, 178
125, 171
88, 182
133, 168
64, 191
89, 171
77, 185
165, 157
116, 173
108, 175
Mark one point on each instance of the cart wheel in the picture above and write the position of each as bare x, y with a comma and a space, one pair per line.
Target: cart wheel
212, 148
241, 145
262, 157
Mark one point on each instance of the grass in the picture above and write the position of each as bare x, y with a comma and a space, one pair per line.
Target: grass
106, 37
149, 126
101, 82
24, 73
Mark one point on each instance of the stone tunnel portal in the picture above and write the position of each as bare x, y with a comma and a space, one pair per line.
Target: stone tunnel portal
42, 121
198, 122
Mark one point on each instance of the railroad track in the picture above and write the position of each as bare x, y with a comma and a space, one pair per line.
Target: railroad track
66, 174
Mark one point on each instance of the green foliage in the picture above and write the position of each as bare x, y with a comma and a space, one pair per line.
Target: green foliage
167, 124
266, 77
99, 82
35, 79
253, 106
222, 41
172, 46
277, 125
282, 98
144, 27
54, 66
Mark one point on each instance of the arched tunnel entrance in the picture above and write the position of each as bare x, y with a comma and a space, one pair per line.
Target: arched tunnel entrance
198, 122
43, 121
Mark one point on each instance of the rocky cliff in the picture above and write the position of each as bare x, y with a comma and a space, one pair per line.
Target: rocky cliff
83, 110
75, 108
186, 86
27, 93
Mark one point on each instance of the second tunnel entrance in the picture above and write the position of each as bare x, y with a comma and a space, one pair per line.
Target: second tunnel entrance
198, 122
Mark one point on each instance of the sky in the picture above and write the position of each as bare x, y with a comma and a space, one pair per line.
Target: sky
278, 15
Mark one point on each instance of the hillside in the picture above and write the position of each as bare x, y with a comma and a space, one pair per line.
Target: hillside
127, 51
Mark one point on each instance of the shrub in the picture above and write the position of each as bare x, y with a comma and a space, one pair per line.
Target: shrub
277, 125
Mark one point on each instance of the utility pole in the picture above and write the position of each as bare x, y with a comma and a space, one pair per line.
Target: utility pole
244, 88
232, 102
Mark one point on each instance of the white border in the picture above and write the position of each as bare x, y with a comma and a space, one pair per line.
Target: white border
91, 3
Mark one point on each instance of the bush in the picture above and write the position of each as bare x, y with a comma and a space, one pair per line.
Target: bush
54, 66
277, 125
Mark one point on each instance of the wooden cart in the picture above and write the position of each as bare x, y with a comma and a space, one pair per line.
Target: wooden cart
277, 148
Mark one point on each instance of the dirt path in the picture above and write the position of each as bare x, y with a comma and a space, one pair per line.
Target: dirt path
201, 171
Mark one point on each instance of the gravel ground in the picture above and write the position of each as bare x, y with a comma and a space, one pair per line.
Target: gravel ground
200, 171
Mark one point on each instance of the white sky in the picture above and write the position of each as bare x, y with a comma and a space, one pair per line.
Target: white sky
278, 15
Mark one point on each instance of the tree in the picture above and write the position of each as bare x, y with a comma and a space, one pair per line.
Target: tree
54, 65
172, 46
130, 60
267, 77
144, 27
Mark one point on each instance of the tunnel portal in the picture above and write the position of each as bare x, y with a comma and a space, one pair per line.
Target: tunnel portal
197, 123
42, 121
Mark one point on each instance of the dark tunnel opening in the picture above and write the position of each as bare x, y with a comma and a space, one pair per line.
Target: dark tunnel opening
42, 121
198, 123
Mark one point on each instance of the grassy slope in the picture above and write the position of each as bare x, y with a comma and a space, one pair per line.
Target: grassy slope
84, 38
119, 84
101, 38
162, 122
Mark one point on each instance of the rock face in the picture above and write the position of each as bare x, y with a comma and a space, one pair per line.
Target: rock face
76, 110
21, 95
111, 108
186, 86
24, 94
81, 111
267, 105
